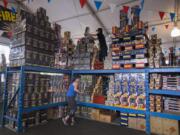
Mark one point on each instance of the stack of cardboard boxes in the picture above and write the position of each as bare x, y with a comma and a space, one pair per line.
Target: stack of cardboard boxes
162, 126
33, 41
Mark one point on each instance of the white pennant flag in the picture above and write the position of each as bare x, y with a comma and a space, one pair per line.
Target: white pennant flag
112, 7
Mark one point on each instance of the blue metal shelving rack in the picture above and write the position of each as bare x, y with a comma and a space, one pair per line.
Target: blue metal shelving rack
125, 110
165, 92
147, 112
1, 95
20, 93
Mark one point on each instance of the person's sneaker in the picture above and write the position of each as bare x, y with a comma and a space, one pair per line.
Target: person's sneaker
72, 122
64, 121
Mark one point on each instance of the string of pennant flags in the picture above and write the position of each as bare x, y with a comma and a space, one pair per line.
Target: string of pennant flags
98, 4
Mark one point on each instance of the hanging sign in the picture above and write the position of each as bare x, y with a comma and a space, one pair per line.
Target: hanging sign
6, 17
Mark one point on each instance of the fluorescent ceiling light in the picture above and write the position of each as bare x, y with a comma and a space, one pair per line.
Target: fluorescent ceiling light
175, 32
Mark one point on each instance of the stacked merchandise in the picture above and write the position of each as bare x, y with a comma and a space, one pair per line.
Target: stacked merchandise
155, 81
86, 87
128, 90
129, 46
110, 93
40, 89
57, 112
168, 104
2, 62
36, 90
134, 121
97, 94
84, 112
63, 57
58, 87
165, 81
33, 41
172, 105
137, 121
83, 54
108, 61
171, 82
156, 103
156, 57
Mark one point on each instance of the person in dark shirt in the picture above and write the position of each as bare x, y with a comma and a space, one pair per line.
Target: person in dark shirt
102, 45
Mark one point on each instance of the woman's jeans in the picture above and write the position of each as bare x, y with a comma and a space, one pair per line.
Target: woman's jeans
72, 106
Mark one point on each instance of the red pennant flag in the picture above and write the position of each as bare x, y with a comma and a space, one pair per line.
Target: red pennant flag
82, 3
5, 3
126, 9
166, 26
161, 14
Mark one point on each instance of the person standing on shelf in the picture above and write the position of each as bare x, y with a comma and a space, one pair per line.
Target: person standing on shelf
71, 99
102, 45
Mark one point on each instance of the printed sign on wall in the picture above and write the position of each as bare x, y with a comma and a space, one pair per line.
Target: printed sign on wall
6, 17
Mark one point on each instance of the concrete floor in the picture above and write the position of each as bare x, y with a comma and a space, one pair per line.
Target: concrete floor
82, 127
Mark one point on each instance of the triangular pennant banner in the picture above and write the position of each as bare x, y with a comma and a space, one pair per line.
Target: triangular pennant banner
13, 10
142, 4
172, 16
153, 28
49, 1
82, 3
161, 14
125, 9
112, 7
166, 26
98, 4
5, 3
137, 11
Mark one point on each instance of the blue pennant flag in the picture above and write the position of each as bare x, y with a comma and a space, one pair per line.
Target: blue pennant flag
49, 1
172, 15
153, 28
137, 11
98, 4
142, 4
13, 10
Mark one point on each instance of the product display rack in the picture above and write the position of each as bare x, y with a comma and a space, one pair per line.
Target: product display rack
166, 115
124, 110
19, 94
1, 95
147, 112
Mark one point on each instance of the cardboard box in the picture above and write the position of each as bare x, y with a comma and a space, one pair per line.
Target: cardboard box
164, 126
141, 124
170, 127
95, 114
132, 123
156, 125
107, 116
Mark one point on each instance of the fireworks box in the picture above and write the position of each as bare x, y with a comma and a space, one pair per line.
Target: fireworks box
124, 119
34, 41
155, 81
172, 104
171, 82
132, 121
